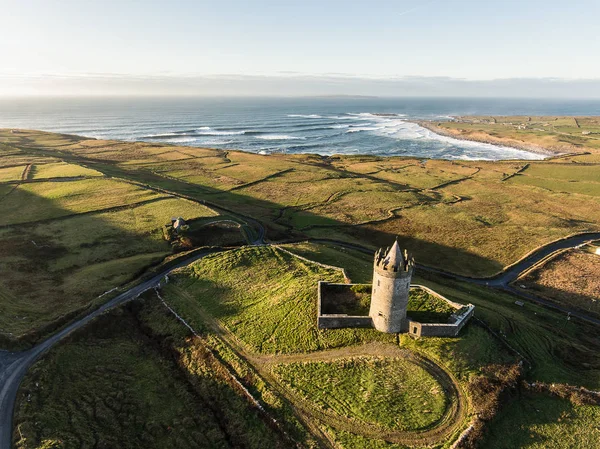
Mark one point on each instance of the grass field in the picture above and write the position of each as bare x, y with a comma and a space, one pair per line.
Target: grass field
87, 215
233, 287
61, 170
11, 173
51, 200
544, 422
224, 286
470, 217
62, 244
393, 393
571, 278
113, 385
348, 440
75, 260
559, 351
426, 308
265, 297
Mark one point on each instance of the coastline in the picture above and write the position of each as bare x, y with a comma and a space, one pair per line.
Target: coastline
486, 138
320, 155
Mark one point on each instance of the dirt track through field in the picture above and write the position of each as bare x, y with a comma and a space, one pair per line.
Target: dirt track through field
450, 422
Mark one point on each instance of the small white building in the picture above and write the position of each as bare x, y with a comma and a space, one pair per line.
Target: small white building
177, 223
598, 251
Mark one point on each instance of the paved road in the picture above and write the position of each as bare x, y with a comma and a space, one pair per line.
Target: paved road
502, 280
13, 366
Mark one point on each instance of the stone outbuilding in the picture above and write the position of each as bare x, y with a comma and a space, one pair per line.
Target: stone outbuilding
177, 223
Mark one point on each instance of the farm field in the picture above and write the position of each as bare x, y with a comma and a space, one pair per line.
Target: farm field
113, 385
393, 393
469, 217
229, 288
74, 240
570, 278
97, 218
237, 346
221, 289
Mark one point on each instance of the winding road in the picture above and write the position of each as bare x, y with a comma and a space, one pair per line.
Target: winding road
503, 280
14, 366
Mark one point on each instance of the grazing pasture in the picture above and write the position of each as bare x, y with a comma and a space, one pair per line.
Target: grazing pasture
265, 297
392, 393
112, 385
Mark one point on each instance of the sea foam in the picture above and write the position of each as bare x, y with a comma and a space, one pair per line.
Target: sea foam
279, 137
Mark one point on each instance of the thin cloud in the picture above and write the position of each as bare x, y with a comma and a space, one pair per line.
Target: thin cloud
293, 85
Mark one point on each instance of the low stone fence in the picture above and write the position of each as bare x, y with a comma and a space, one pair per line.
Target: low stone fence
455, 323
338, 320
456, 305
450, 329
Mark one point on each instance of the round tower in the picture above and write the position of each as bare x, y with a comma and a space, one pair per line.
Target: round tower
391, 284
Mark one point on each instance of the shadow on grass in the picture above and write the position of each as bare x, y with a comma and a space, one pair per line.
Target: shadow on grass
588, 304
268, 213
520, 422
125, 384
38, 290
56, 269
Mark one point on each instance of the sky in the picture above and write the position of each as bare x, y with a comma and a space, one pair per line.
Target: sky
324, 47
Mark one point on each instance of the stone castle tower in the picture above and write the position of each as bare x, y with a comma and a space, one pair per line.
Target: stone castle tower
391, 284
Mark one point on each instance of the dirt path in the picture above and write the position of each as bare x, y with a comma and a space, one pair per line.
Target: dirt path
450, 422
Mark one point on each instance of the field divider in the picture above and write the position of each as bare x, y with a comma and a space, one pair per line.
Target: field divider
249, 396
84, 213
344, 273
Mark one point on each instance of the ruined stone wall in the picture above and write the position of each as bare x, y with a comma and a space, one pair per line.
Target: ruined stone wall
450, 329
338, 321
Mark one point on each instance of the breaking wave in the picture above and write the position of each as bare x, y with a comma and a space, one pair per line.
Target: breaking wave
279, 137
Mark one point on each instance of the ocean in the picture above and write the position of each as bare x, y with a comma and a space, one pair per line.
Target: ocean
377, 126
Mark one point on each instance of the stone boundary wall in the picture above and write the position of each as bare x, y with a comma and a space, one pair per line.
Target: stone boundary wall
324, 265
456, 305
339, 321
415, 328
441, 329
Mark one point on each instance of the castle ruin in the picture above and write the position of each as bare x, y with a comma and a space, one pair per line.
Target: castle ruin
392, 272
339, 304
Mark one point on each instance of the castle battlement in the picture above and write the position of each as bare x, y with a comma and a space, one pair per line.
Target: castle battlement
392, 271
393, 260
